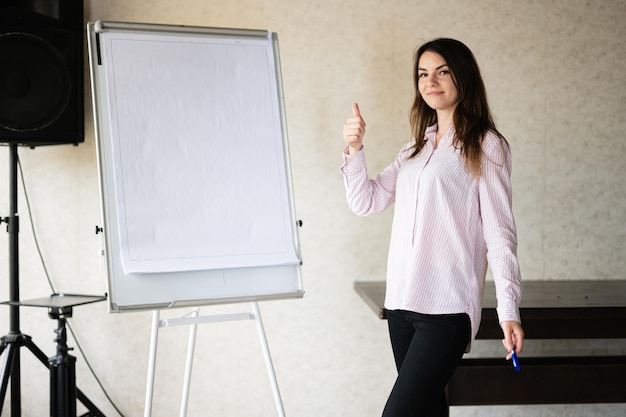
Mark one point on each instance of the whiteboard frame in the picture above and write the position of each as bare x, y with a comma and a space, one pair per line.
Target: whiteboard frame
133, 291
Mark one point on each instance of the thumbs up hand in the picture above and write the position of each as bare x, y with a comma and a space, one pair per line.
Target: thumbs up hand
354, 130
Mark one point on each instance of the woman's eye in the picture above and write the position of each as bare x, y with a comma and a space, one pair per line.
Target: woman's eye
444, 72
422, 75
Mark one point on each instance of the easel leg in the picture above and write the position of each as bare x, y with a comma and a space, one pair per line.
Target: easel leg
152, 363
193, 321
268, 360
190, 351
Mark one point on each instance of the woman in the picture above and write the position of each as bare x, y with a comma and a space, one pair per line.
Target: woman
452, 216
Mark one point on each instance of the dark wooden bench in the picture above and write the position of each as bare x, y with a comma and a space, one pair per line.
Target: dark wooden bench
549, 310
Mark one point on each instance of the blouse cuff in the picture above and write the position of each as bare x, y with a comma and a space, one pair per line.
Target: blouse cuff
509, 313
353, 161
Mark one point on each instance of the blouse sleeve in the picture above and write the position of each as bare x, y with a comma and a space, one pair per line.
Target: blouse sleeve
364, 195
499, 226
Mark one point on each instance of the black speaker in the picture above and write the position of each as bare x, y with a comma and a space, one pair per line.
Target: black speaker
41, 72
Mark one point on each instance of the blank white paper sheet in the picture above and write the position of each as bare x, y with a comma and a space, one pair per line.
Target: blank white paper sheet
199, 154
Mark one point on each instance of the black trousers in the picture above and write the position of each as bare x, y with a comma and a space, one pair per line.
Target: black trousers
427, 349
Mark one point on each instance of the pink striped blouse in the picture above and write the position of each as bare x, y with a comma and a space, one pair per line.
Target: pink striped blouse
447, 225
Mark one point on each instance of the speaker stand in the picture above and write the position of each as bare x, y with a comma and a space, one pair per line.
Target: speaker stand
12, 343
15, 339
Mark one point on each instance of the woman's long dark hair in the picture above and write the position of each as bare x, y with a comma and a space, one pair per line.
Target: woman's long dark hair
472, 117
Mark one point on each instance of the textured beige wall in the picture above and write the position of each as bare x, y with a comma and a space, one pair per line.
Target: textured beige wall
555, 73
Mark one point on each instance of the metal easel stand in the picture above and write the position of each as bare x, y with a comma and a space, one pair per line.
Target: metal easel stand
193, 322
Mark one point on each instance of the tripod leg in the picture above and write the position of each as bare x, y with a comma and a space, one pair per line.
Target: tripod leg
7, 367
93, 410
28, 342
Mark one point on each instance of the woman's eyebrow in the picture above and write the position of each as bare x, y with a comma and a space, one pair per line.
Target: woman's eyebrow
438, 68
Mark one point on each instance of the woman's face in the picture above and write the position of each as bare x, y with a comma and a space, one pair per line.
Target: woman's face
435, 83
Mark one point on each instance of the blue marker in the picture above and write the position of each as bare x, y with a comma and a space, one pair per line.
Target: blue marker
514, 360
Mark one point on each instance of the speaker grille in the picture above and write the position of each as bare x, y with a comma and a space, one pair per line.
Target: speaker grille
35, 83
